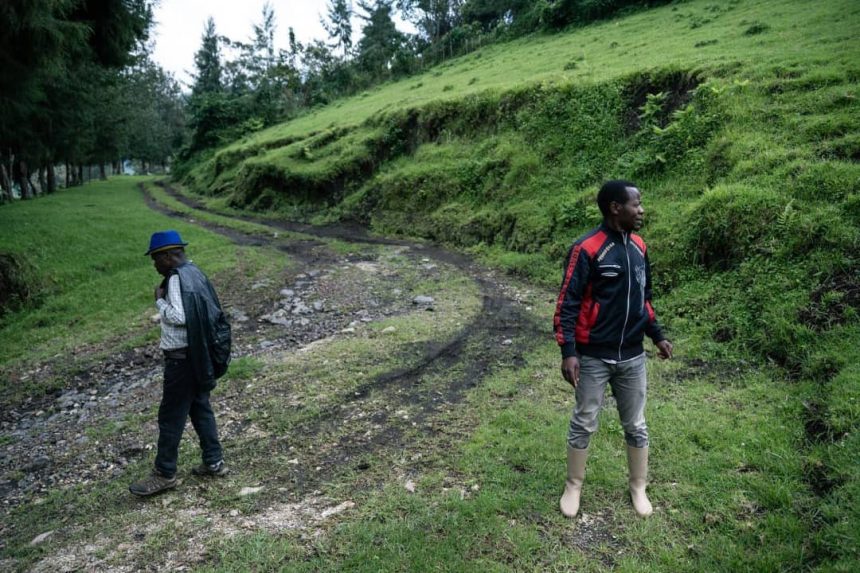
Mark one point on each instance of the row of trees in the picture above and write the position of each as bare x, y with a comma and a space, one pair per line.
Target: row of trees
258, 85
77, 88
240, 87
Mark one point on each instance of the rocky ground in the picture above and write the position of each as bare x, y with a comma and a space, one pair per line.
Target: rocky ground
293, 333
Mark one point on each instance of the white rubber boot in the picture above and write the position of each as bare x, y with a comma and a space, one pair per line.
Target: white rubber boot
637, 463
569, 502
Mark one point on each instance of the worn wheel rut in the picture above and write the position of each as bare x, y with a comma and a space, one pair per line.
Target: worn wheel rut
463, 360
89, 433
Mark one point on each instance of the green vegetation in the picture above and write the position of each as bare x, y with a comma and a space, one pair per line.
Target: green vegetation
260, 86
722, 489
80, 90
737, 119
95, 285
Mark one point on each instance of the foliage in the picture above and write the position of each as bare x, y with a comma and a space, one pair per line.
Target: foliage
742, 143
20, 284
729, 222
207, 60
434, 18
381, 42
78, 88
339, 25
556, 15
264, 87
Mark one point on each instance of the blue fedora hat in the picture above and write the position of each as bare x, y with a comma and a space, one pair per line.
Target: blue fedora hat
164, 240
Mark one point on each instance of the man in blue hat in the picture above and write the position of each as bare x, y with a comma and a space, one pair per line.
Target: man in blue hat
195, 340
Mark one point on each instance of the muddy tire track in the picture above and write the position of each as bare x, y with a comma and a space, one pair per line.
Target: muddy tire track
351, 439
91, 431
496, 339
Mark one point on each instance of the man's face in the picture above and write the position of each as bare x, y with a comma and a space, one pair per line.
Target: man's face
162, 262
629, 214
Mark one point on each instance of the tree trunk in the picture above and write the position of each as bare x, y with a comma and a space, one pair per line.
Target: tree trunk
10, 173
5, 183
23, 181
43, 182
102, 174
52, 178
80, 174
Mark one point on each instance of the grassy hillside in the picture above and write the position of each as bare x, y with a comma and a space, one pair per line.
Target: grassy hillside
500, 151
740, 122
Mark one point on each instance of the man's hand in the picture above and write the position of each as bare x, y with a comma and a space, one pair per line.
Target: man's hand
159, 292
570, 370
664, 349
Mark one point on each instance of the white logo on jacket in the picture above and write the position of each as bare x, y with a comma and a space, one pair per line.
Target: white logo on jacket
639, 273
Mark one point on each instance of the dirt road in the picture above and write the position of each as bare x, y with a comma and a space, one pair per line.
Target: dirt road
324, 400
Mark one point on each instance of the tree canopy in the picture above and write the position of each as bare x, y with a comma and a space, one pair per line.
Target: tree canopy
77, 87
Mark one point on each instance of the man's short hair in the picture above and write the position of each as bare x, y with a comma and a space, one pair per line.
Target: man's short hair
614, 190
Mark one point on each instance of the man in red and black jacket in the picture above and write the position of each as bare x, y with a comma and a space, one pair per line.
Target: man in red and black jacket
602, 315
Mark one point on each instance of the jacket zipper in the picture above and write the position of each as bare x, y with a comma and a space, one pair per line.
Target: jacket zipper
629, 286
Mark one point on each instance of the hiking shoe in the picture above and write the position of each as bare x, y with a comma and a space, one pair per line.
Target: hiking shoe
219, 469
153, 484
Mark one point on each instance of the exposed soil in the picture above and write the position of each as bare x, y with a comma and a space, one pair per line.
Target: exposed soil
833, 301
678, 87
472, 353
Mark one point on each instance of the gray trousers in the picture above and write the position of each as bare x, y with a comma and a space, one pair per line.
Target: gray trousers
629, 386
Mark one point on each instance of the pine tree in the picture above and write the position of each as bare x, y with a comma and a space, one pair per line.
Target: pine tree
434, 18
339, 26
260, 62
264, 41
207, 60
381, 40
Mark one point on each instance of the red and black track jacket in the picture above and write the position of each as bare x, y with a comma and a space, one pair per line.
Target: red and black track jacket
604, 307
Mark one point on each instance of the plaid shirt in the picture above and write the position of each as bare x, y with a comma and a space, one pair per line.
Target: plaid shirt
173, 333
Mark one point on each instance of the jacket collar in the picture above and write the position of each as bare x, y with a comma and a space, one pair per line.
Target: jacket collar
616, 235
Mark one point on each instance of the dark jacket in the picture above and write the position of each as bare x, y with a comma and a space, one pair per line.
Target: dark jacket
604, 307
207, 327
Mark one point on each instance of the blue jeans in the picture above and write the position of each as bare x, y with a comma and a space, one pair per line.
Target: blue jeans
629, 386
180, 399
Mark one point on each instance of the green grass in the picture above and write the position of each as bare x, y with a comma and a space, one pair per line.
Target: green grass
262, 390
721, 489
739, 122
97, 283
753, 226
222, 220
797, 32
728, 477
508, 169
